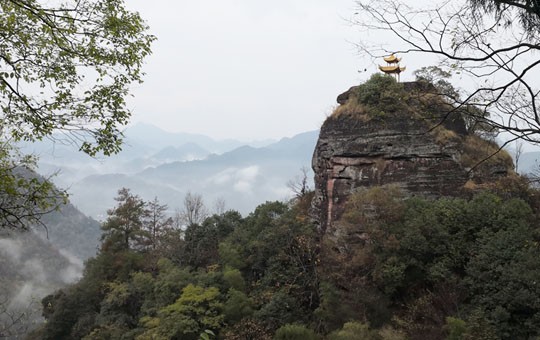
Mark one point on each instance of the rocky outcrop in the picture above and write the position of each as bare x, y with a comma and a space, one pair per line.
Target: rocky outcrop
403, 150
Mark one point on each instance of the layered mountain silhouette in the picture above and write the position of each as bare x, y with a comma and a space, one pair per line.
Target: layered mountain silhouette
155, 163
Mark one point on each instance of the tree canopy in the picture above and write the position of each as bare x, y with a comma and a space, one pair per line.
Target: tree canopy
528, 11
65, 72
68, 68
399, 268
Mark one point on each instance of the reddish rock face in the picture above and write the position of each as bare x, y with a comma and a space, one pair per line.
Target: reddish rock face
351, 153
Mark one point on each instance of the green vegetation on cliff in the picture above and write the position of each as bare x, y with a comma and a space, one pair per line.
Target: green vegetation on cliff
379, 97
424, 107
427, 267
401, 269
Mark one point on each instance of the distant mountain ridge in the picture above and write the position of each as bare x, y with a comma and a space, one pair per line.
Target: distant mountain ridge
156, 163
188, 152
144, 146
143, 133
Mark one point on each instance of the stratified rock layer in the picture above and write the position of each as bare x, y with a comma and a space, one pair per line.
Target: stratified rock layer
353, 153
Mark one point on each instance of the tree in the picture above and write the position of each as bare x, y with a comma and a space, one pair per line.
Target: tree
194, 210
533, 177
440, 80
237, 306
354, 331
506, 266
68, 68
295, 331
517, 154
24, 196
16, 322
124, 226
195, 310
201, 245
427, 260
219, 206
65, 72
492, 42
299, 185
528, 12
276, 252
157, 224
202, 240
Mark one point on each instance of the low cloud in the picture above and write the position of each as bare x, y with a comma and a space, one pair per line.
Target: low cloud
74, 271
282, 192
242, 186
224, 177
11, 248
249, 173
240, 179
29, 293
34, 270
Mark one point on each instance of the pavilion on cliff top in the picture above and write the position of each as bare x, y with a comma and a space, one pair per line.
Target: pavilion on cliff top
392, 66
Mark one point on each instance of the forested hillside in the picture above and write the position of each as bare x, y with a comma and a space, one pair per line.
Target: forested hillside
35, 263
427, 269
30, 269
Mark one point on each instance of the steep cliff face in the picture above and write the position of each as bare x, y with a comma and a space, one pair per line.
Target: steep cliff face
396, 146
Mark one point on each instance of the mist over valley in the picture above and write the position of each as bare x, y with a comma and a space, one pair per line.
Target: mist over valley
156, 163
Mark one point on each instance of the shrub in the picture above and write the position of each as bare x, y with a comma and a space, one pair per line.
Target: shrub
379, 97
295, 332
444, 136
484, 154
248, 329
355, 331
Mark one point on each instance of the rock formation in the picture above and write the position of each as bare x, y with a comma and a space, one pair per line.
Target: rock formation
420, 148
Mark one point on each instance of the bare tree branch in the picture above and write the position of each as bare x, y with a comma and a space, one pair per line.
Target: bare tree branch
493, 51
193, 211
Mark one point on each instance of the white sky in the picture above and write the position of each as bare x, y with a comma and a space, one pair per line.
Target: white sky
249, 69
246, 69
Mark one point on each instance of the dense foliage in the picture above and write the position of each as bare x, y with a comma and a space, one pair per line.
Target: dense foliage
229, 275
66, 68
456, 268
399, 269
379, 97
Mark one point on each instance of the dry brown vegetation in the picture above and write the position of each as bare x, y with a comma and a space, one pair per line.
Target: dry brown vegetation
352, 108
478, 152
444, 136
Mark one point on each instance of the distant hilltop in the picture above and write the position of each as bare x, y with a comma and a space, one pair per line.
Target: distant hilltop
404, 134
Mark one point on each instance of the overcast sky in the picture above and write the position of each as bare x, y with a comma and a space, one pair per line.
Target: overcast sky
246, 69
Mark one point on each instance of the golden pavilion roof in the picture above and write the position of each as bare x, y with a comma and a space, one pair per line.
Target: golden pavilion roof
392, 69
392, 66
392, 59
